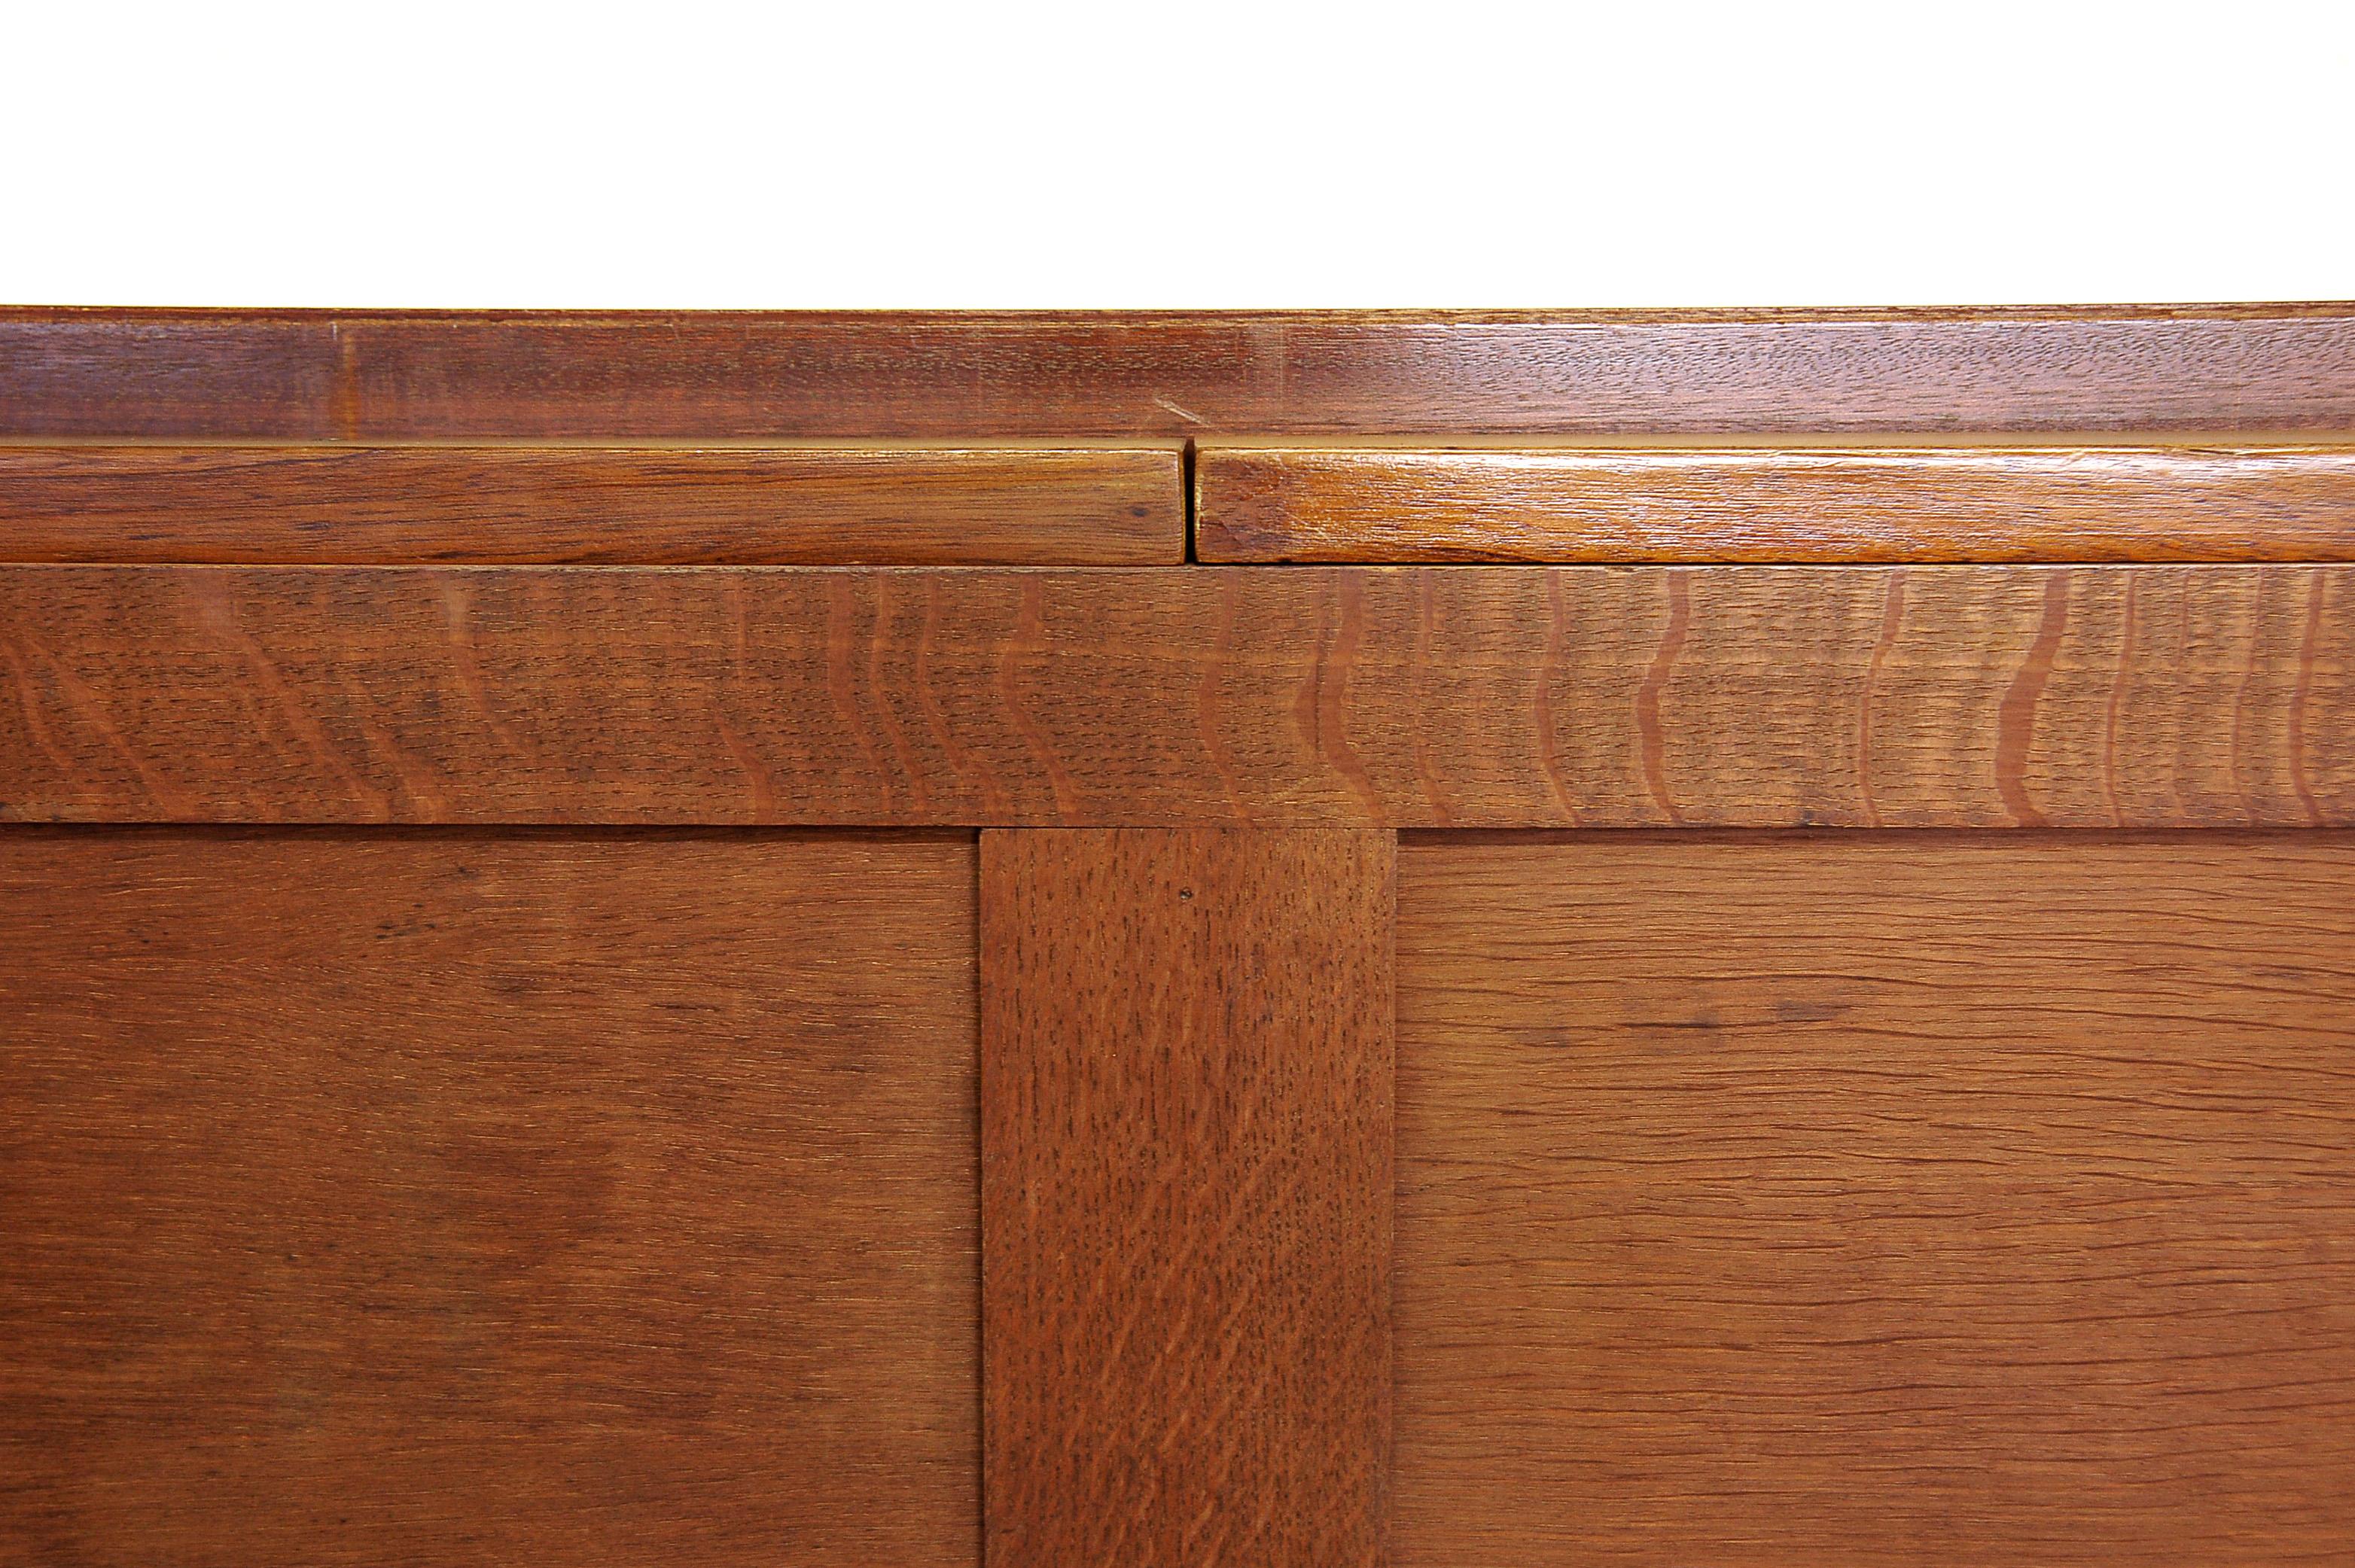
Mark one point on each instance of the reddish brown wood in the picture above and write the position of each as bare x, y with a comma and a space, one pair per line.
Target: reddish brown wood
1762, 504
1504, 696
885, 504
399, 1198
1186, 1196
375, 374
1876, 1198
526, 1195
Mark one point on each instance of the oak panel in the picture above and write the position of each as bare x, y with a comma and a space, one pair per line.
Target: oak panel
1186, 1196
887, 504
1876, 1198
385, 1197
1756, 504
352, 375
1441, 697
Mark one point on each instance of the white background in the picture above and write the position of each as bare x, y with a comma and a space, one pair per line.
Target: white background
1178, 154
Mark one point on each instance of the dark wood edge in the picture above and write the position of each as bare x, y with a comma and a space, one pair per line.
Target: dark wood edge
331, 375
880, 320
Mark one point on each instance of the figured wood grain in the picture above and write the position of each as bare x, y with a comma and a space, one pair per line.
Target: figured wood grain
351, 374
1876, 1198
884, 504
1186, 1196
399, 1198
1439, 697
1758, 504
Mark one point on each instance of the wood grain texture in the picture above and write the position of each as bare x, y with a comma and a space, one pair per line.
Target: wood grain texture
1735, 504
1876, 1198
1439, 697
384, 1198
885, 504
1186, 1197
358, 375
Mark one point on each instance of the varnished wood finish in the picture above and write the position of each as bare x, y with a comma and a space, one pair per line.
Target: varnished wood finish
358, 375
1186, 1197
1438, 697
381, 1198
1876, 1198
1764, 504
527, 1191
277, 503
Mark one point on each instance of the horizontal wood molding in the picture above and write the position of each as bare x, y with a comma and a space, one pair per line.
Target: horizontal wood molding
1385, 697
1760, 504
1186, 1197
351, 374
384, 1197
515, 504
1876, 1198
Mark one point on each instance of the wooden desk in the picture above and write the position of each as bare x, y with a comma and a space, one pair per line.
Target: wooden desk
1269, 940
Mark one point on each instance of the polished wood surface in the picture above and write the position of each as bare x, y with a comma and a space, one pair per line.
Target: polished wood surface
600, 1166
402, 1198
1875, 1198
1439, 697
359, 375
1775, 504
649, 506
1186, 1196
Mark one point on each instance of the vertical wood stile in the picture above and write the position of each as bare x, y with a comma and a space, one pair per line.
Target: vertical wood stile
1187, 1194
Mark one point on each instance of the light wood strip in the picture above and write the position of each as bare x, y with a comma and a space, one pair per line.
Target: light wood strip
652, 506
1186, 1197
391, 1197
377, 375
1700, 505
1435, 696
1876, 1198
